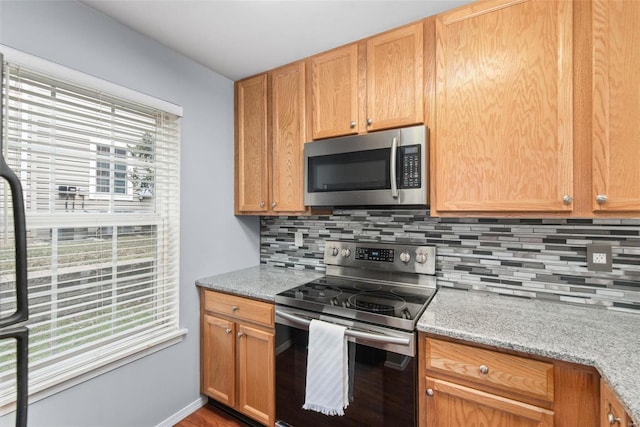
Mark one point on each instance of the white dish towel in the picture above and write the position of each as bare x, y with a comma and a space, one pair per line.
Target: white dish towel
327, 388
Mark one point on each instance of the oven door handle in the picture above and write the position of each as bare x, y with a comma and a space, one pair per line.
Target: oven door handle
350, 332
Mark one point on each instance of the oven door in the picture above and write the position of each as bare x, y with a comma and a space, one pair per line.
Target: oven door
382, 374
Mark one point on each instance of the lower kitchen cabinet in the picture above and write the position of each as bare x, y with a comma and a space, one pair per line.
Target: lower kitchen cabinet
453, 405
612, 412
464, 384
237, 354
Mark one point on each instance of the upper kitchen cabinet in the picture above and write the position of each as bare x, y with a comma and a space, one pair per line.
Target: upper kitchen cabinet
616, 106
504, 100
251, 149
270, 135
395, 78
287, 139
356, 92
334, 93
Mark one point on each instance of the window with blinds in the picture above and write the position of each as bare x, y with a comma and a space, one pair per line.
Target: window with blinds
100, 177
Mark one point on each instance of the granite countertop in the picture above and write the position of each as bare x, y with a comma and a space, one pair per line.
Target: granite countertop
604, 339
260, 282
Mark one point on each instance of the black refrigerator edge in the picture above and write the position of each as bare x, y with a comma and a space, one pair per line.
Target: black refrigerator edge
12, 326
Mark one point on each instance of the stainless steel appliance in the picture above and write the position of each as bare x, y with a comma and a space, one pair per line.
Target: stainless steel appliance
378, 291
16, 312
380, 168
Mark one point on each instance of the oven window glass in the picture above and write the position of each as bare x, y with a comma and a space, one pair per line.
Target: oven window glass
361, 170
382, 385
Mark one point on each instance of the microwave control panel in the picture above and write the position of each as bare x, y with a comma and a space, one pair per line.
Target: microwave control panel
410, 166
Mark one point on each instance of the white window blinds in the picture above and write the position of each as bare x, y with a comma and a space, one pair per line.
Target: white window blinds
100, 176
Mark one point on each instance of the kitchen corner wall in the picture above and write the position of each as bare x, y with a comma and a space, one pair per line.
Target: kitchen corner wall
529, 258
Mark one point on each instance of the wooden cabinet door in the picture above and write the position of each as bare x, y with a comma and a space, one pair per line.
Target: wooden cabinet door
453, 405
616, 106
251, 145
288, 137
611, 409
395, 78
256, 374
504, 138
334, 93
218, 359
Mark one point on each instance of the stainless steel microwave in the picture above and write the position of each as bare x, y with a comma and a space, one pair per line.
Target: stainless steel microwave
380, 168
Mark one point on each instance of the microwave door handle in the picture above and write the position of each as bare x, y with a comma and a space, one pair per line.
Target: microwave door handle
392, 169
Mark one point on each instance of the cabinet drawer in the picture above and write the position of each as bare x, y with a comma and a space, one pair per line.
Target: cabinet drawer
491, 368
240, 308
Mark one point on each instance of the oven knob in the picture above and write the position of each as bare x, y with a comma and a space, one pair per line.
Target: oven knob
405, 257
346, 252
334, 251
421, 258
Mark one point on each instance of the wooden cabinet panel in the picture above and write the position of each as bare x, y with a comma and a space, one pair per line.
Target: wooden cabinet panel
240, 308
395, 78
616, 105
504, 139
334, 92
218, 359
490, 368
237, 359
453, 405
288, 137
251, 145
611, 411
256, 374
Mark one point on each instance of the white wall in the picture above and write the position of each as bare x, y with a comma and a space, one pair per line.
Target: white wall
150, 390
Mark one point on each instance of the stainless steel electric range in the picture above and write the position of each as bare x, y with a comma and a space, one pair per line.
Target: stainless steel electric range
378, 291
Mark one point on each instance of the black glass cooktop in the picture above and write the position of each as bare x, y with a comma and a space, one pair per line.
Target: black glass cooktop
387, 304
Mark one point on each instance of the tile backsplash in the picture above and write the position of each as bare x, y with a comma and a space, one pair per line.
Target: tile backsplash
529, 258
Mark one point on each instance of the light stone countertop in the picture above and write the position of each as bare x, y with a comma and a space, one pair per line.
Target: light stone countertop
607, 340
259, 282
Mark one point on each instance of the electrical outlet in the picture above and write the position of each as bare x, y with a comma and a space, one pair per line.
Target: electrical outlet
599, 257
299, 241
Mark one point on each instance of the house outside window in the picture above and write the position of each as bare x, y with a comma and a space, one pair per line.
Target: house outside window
101, 177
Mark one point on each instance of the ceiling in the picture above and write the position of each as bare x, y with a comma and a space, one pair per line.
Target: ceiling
239, 38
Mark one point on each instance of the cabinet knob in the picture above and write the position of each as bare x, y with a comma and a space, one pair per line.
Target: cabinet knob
369, 121
429, 392
567, 199
240, 334
262, 204
273, 205
484, 369
601, 199
612, 419
228, 331
352, 125
234, 308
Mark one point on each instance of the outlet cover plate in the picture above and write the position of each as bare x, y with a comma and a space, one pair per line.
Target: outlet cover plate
599, 257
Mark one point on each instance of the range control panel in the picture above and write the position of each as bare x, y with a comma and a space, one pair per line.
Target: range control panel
374, 254
381, 256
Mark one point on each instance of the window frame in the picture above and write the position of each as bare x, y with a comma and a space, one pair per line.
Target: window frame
96, 361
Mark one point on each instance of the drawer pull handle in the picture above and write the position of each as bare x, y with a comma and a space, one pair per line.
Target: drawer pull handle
234, 308
429, 392
612, 419
484, 369
228, 331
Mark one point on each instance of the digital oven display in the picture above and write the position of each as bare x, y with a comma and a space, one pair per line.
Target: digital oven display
374, 254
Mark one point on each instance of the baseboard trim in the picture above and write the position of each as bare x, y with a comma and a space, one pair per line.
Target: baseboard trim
184, 412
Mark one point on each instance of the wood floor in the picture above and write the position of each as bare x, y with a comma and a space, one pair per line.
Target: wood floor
210, 416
